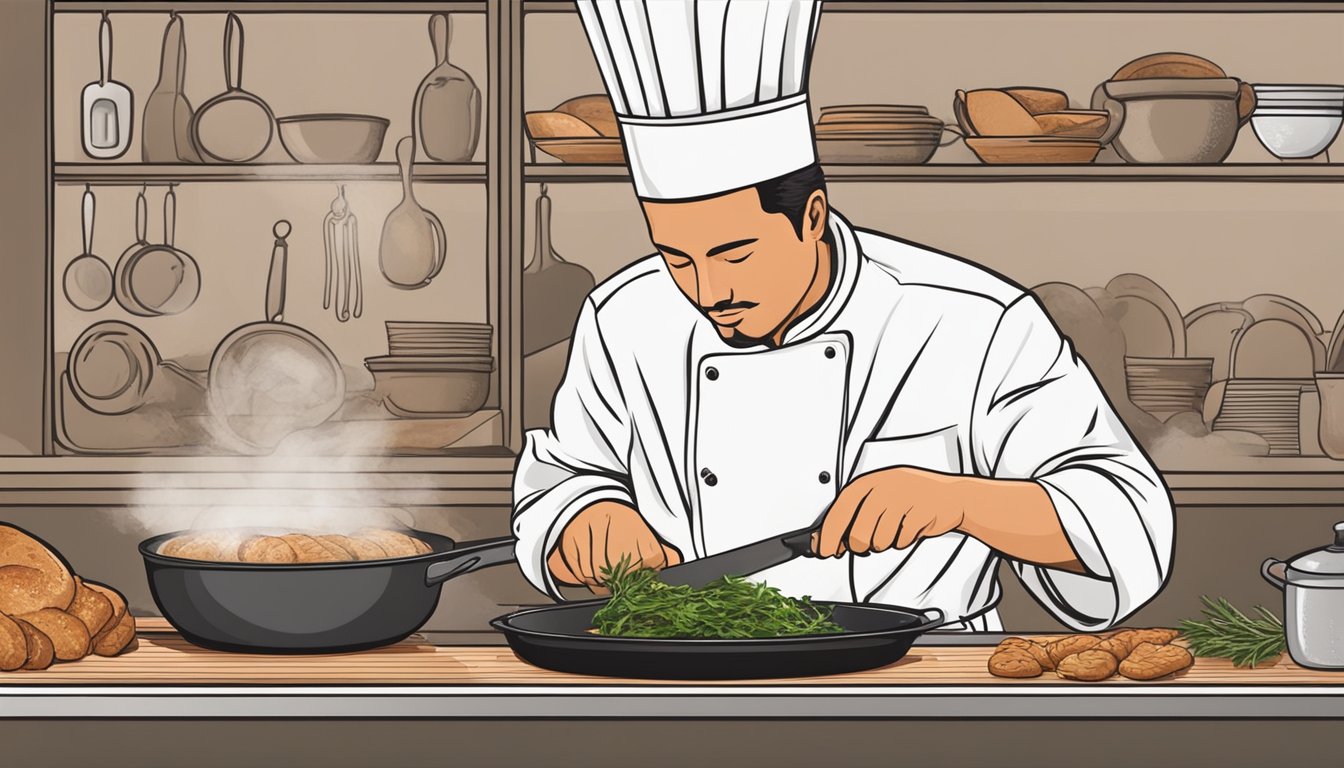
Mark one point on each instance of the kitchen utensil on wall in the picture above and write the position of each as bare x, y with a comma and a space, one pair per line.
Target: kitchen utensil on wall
1174, 108
161, 279
343, 277
111, 366
1313, 603
165, 132
413, 247
1330, 387
271, 378
88, 279
1334, 361
553, 289
107, 106
332, 138
270, 608
235, 126
447, 110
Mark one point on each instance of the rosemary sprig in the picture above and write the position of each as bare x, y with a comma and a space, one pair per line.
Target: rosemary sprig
1230, 634
730, 607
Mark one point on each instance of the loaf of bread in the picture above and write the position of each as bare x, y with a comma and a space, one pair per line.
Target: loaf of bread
48, 614
296, 547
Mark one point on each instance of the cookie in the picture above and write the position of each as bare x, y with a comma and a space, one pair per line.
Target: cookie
1070, 645
1014, 662
1089, 666
1149, 661
1036, 650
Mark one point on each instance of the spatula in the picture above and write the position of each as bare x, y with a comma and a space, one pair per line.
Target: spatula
106, 105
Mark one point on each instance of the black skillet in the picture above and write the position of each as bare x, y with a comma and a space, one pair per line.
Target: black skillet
557, 637
310, 607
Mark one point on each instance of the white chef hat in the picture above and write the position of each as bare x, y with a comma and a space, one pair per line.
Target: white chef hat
711, 95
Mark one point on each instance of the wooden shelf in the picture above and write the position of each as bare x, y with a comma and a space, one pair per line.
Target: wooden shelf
974, 172
1011, 6
272, 6
145, 173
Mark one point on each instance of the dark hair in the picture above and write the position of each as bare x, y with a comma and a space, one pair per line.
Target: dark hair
788, 194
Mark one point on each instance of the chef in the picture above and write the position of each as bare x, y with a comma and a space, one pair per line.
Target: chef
774, 366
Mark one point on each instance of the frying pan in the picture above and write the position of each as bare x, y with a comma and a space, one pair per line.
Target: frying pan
235, 126
155, 280
557, 637
309, 607
270, 378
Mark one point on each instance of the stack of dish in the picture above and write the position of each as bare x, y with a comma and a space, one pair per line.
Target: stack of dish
1297, 121
1165, 386
892, 134
1016, 126
1266, 407
433, 369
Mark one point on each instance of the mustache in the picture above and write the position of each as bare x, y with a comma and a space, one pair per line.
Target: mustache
728, 304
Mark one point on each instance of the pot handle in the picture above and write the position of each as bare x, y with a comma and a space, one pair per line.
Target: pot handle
1266, 570
1246, 103
1116, 110
471, 556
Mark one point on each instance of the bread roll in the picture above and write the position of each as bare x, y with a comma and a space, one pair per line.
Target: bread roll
1162, 65
41, 653
337, 545
13, 645
32, 575
120, 639
193, 546
91, 607
266, 549
1040, 99
68, 634
114, 598
362, 548
393, 543
595, 110
308, 550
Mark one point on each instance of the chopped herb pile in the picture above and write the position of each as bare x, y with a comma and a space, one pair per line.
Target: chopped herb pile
1230, 634
728, 608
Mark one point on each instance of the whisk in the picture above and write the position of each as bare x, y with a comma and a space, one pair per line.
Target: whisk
344, 278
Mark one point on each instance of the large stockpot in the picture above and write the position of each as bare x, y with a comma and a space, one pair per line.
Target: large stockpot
309, 607
1313, 603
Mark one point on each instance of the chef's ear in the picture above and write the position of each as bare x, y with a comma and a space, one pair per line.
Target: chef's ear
817, 209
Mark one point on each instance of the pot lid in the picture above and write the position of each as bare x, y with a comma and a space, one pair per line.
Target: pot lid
1324, 562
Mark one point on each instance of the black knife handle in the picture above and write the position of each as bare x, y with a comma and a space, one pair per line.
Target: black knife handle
800, 542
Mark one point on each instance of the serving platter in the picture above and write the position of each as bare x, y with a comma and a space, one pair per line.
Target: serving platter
558, 638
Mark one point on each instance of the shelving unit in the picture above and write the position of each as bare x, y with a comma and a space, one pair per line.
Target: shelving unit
121, 174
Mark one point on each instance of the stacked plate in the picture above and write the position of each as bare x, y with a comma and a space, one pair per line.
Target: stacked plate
433, 369
1165, 386
892, 134
1297, 121
1266, 407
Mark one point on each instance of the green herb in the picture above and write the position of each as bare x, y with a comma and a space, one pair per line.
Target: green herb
1230, 634
728, 608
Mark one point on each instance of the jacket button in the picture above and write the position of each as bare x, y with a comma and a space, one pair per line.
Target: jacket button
712, 373
824, 478
830, 352
710, 478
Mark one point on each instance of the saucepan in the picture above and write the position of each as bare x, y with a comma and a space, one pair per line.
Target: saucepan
310, 607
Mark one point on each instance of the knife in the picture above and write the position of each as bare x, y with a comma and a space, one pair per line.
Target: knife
743, 561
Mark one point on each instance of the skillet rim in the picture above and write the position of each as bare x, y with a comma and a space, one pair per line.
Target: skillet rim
440, 546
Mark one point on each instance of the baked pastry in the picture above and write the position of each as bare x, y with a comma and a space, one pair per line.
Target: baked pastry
1149, 661
13, 645
41, 653
266, 549
118, 639
68, 634
308, 550
1161, 65
1089, 666
91, 607
32, 575
393, 543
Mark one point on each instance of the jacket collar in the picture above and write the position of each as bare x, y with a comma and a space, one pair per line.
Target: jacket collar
848, 259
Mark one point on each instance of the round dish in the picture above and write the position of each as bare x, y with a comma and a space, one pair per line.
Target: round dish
333, 138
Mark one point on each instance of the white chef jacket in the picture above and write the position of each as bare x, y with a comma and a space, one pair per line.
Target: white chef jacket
914, 358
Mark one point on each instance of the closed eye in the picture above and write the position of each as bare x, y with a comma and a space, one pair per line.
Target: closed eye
679, 265
741, 258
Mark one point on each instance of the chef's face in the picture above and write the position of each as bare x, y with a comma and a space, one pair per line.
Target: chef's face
748, 271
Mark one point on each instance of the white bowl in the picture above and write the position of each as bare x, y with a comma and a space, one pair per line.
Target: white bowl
1296, 136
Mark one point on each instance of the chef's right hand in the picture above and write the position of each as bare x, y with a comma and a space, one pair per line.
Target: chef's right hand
598, 537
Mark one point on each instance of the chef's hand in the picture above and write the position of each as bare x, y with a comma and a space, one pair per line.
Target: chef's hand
598, 537
890, 508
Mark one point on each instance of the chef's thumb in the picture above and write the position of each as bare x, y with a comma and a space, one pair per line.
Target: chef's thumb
671, 554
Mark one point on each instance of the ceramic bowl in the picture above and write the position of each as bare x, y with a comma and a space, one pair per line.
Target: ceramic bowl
1295, 136
331, 138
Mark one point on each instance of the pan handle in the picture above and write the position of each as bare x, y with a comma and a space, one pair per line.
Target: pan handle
470, 556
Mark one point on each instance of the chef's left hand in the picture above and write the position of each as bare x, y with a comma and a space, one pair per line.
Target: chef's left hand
890, 508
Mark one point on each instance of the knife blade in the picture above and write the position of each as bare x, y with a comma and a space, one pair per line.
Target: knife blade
742, 561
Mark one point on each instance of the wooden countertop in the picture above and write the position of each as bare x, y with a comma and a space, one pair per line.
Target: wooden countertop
169, 678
